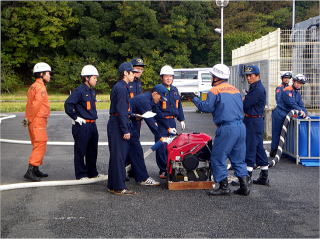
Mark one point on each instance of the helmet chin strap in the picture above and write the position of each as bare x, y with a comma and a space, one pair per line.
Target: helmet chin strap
295, 87
213, 83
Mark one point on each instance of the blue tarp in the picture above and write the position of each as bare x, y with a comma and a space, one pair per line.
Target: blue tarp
310, 163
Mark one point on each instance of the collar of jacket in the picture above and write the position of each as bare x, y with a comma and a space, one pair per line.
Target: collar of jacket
149, 95
40, 80
255, 84
85, 86
221, 82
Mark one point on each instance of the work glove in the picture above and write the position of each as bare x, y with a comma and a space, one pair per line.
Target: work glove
172, 131
25, 122
167, 140
302, 114
80, 120
190, 96
183, 125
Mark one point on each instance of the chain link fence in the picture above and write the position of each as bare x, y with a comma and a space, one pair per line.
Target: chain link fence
297, 51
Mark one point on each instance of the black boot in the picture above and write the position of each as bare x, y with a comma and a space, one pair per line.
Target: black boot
244, 188
223, 189
249, 178
38, 173
263, 178
30, 174
130, 173
273, 153
237, 183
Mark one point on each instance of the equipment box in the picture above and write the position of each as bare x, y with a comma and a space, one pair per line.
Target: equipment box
302, 141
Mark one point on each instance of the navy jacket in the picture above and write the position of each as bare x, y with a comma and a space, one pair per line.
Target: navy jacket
255, 101
141, 104
135, 87
171, 107
279, 90
120, 105
291, 100
81, 103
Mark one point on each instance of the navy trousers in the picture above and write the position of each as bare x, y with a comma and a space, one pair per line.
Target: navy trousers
136, 153
118, 148
229, 142
136, 124
86, 139
278, 117
161, 153
255, 153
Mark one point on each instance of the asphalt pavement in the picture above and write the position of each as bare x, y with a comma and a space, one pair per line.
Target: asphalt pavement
289, 208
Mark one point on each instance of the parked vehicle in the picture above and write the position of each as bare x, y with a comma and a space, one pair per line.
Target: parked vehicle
192, 80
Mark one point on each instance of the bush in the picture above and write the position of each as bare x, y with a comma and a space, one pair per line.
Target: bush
10, 80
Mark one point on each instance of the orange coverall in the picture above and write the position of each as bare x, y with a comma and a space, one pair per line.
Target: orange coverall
37, 113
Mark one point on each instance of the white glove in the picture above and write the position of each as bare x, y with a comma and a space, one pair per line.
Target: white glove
302, 114
183, 125
167, 140
307, 117
80, 120
172, 131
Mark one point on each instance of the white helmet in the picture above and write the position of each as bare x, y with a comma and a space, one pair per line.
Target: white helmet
220, 71
166, 70
41, 67
300, 78
89, 70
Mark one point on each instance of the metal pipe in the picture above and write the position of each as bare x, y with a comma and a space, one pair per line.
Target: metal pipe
222, 35
293, 13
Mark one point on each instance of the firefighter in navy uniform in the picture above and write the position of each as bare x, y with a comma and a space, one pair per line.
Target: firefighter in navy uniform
119, 131
135, 88
285, 78
167, 111
81, 107
225, 103
290, 100
253, 105
140, 105
285, 82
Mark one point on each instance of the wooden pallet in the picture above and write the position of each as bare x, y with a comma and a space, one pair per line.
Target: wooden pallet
190, 185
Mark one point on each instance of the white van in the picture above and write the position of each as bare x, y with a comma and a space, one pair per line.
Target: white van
192, 80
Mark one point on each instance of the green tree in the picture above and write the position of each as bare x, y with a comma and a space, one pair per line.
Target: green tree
136, 30
90, 37
69, 35
33, 29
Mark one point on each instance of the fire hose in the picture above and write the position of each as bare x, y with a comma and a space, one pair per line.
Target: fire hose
283, 134
53, 183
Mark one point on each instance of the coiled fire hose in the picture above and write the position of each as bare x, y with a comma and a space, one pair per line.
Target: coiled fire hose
283, 135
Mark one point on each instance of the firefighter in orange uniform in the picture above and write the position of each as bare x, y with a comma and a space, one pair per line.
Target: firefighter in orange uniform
36, 117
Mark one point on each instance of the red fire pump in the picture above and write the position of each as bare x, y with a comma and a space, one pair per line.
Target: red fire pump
189, 158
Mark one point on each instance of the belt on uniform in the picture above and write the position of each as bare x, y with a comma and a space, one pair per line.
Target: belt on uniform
116, 114
169, 117
253, 116
225, 123
90, 121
